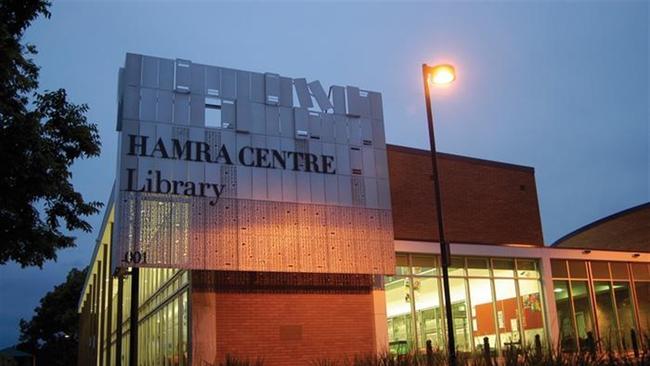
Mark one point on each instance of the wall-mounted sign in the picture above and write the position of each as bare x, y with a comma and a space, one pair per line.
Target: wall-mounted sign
223, 169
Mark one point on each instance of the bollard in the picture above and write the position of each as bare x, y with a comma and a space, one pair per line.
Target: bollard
538, 345
635, 344
429, 353
591, 344
486, 351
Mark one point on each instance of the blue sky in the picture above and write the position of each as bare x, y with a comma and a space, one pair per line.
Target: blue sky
559, 86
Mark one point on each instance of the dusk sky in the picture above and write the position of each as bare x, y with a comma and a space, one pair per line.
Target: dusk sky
558, 86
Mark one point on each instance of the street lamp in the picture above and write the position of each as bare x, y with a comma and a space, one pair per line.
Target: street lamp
440, 75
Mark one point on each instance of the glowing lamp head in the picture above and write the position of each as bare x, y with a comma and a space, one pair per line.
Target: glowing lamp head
442, 74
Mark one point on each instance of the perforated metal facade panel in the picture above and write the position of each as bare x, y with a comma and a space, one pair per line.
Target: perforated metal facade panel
273, 186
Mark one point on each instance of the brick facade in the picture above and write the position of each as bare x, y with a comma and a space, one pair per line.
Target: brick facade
281, 324
484, 201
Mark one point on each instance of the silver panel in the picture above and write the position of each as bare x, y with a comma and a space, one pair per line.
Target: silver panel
166, 74
273, 142
289, 186
329, 149
369, 168
383, 194
272, 121
303, 187
343, 159
286, 92
132, 69
314, 125
244, 182
315, 147
258, 118
229, 83
181, 109
345, 190
197, 110
182, 78
358, 191
131, 103
197, 85
364, 105
243, 85
353, 101
149, 72
197, 173
331, 189
228, 113
274, 184
341, 129
378, 137
376, 106
354, 131
148, 99
338, 98
301, 120
381, 163
304, 98
372, 200
366, 131
287, 127
271, 89
229, 139
317, 188
356, 160
328, 133
244, 115
165, 106
258, 92
259, 184
317, 91
212, 81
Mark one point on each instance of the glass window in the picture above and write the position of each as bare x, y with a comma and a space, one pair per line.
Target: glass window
507, 313
428, 312
478, 267
457, 266
483, 322
398, 313
503, 267
641, 271
625, 312
459, 314
619, 270
606, 314
600, 270
643, 303
401, 265
558, 268
578, 269
424, 265
564, 315
527, 268
532, 313
583, 312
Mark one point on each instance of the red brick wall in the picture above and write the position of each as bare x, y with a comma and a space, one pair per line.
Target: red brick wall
483, 201
283, 328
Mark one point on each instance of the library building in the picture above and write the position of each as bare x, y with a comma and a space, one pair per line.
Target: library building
264, 217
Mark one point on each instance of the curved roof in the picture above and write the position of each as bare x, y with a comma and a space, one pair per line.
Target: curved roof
625, 230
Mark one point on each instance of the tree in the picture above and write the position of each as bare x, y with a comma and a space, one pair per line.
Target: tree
52, 335
41, 135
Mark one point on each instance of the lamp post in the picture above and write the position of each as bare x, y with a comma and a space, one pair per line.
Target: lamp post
441, 74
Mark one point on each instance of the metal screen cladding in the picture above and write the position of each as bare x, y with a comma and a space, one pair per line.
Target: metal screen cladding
219, 169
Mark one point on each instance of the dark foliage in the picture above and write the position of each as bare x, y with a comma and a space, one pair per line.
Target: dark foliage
52, 335
41, 135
